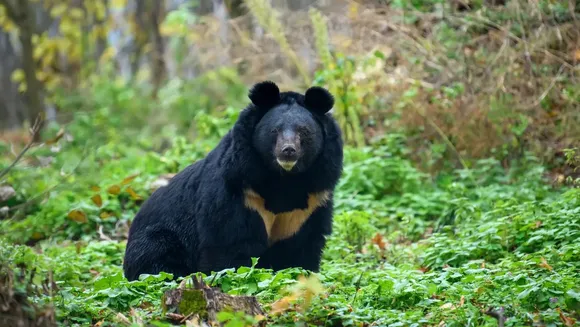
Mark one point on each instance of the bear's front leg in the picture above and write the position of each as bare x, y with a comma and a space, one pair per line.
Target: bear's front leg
304, 249
233, 256
154, 250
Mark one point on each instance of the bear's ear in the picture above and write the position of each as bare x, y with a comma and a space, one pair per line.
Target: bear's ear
318, 99
265, 94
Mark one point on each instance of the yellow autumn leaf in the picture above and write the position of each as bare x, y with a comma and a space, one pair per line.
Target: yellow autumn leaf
132, 193
97, 199
66, 27
305, 289
114, 189
58, 10
283, 304
118, 4
95, 188
129, 179
17, 76
78, 216
100, 10
311, 287
63, 43
41, 76
105, 215
76, 13
109, 53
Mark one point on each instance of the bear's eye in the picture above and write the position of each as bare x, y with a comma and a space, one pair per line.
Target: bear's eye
303, 130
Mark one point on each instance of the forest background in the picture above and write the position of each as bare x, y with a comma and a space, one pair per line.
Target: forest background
459, 204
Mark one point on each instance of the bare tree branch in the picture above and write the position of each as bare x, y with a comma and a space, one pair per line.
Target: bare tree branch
34, 130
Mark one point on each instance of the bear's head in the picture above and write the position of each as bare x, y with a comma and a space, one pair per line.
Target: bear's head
291, 131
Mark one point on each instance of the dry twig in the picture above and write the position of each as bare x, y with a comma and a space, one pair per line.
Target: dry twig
33, 131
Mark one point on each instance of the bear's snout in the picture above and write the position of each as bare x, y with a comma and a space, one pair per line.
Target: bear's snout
287, 149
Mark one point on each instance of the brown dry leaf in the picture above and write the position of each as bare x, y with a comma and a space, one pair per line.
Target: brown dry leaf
105, 215
99, 323
568, 321
538, 224
379, 241
36, 236
129, 179
577, 54
193, 322
95, 188
136, 317
283, 304
132, 193
123, 319
98, 200
483, 265
78, 216
462, 301
448, 305
114, 189
544, 264
55, 139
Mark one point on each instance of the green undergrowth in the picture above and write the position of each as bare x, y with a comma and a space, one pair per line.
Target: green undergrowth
407, 249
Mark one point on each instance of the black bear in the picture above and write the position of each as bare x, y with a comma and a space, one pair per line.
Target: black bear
265, 191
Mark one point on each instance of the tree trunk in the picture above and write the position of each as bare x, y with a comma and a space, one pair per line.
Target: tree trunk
157, 62
33, 86
20, 13
220, 12
11, 107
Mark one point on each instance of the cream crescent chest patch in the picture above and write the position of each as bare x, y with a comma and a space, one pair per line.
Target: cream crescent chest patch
283, 225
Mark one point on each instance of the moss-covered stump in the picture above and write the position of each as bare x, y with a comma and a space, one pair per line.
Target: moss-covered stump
205, 303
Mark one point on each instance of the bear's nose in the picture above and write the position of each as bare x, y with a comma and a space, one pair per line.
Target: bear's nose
289, 150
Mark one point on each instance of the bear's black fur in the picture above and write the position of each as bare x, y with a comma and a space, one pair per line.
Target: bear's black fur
245, 198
